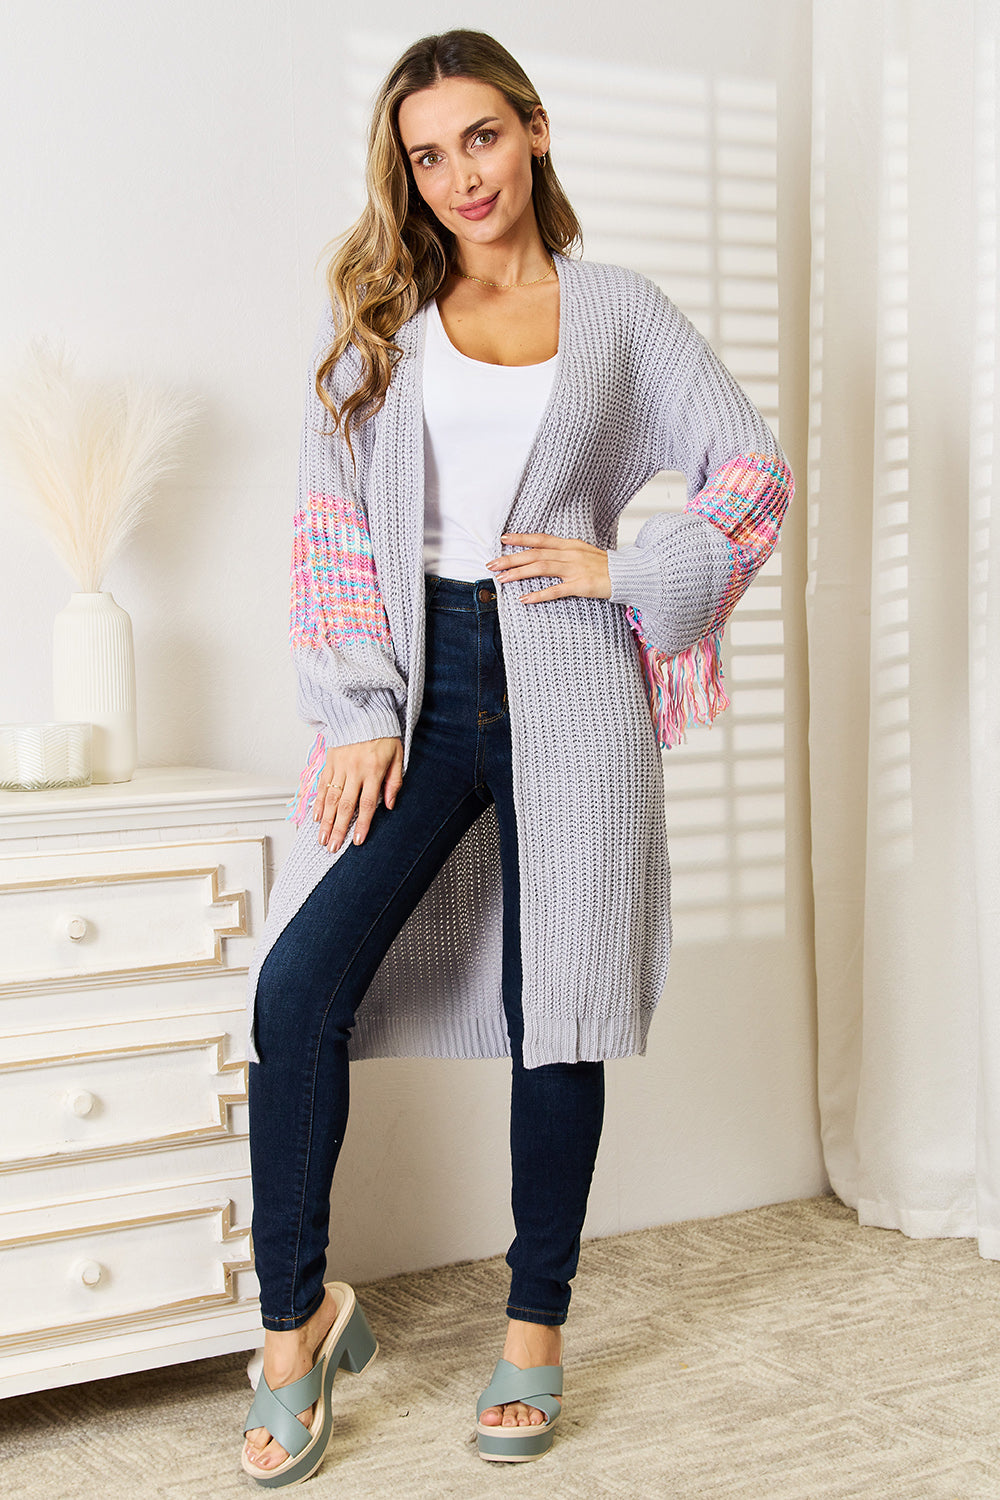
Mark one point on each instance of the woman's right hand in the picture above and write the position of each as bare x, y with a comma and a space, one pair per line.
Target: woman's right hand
351, 781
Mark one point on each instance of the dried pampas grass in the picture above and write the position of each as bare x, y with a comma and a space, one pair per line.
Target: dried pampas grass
92, 452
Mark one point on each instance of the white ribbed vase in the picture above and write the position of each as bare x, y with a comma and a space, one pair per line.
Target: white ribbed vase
93, 680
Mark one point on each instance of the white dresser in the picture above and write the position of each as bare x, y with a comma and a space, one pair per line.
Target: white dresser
127, 918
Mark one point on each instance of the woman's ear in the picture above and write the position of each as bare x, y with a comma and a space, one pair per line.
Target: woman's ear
539, 131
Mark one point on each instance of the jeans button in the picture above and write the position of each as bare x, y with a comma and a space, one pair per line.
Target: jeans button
485, 595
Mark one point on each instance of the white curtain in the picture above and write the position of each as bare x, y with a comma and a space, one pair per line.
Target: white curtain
904, 610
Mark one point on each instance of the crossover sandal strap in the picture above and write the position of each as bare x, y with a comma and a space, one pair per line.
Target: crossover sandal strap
278, 1410
535, 1387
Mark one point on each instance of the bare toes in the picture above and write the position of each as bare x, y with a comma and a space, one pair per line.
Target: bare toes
256, 1441
267, 1456
514, 1414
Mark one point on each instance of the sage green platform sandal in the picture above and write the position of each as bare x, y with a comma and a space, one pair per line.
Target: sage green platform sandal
350, 1345
537, 1387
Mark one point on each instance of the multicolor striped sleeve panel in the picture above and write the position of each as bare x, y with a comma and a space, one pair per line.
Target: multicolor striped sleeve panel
746, 499
335, 593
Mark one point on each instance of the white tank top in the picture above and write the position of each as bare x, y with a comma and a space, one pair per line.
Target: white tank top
479, 423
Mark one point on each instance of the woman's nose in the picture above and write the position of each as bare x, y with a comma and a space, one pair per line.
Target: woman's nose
467, 177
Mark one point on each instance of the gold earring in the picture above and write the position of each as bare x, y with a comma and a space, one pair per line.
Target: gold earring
541, 159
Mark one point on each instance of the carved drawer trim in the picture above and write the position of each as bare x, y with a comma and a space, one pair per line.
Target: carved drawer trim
99, 1273
88, 916
80, 1106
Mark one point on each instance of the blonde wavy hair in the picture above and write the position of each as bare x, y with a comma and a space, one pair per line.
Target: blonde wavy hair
397, 254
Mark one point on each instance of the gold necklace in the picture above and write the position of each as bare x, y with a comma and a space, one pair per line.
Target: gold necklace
508, 286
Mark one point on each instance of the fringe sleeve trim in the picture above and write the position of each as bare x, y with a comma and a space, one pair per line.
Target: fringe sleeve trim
746, 499
299, 805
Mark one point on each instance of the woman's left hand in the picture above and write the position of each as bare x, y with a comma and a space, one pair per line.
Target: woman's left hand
582, 567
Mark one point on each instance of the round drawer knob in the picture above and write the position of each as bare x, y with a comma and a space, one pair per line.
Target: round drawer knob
81, 1102
77, 928
89, 1272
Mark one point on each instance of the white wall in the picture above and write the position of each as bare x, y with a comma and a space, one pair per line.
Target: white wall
169, 176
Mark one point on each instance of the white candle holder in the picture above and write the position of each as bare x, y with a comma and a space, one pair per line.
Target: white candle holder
34, 757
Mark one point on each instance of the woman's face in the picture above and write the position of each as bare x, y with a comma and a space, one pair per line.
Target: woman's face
470, 154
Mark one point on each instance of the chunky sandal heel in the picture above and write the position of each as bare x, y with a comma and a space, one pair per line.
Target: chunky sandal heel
360, 1346
349, 1345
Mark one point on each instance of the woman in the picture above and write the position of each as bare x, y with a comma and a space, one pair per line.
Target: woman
492, 681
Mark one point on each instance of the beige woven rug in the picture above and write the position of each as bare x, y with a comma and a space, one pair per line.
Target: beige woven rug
778, 1354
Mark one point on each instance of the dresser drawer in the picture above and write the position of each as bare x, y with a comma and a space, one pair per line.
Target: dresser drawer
128, 918
127, 911
117, 1090
91, 1266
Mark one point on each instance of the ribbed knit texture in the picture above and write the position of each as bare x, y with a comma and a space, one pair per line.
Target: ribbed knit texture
593, 684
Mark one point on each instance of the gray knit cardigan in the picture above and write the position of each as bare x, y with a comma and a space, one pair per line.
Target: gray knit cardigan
595, 686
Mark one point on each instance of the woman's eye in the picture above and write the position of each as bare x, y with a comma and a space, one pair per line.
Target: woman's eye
432, 158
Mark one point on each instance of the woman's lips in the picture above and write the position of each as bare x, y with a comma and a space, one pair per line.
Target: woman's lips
481, 209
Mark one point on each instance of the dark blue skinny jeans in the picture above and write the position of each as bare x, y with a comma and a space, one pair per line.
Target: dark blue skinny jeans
316, 975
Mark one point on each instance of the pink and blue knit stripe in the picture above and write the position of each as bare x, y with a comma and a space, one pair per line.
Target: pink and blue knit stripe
335, 600
746, 499
335, 593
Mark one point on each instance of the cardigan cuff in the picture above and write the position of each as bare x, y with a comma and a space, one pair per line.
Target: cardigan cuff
367, 716
636, 578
